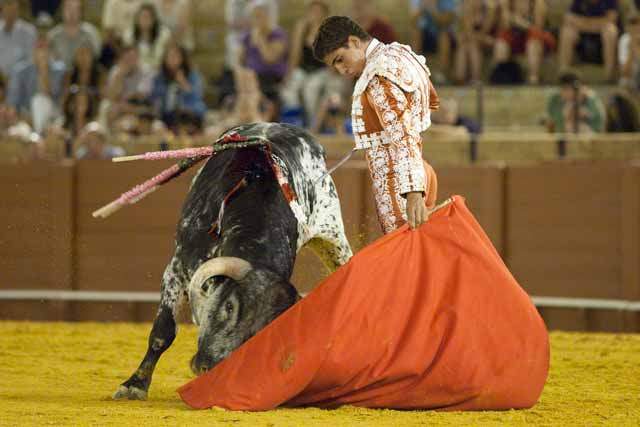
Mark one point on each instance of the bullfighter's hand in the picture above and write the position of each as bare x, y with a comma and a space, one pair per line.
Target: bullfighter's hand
416, 209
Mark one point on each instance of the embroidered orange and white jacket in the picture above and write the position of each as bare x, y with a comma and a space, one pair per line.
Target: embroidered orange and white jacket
392, 103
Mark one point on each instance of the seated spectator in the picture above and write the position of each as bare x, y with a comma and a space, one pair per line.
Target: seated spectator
117, 18
622, 113
522, 32
82, 89
590, 28
17, 37
264, 51
575, 107
92, 144
477, 33
629, 54
237, 18
177, 89
433, 28
8, 116
68, 36
364, 13
36, 87
128, 88
149, 36
308, 78
449, 121
177, 16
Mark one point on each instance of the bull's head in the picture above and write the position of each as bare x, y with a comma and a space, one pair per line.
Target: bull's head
230, 302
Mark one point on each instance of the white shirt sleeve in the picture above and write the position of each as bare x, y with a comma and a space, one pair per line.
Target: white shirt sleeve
624, 48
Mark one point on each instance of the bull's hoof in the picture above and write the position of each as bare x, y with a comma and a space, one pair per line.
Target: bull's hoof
129, 393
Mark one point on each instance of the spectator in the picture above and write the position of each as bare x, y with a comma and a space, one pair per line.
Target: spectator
448, 116
308, 78
477, 33
363, 12
177, 89
67, 37
575, 108
82, 89
149, 36
117, 18
264, 50
590, 28
522, 31
176, 15
92, 144
44, 9
128, 87
8, 115
629, 54
433, 27
17, 37
237, 18
622, 113
36, 87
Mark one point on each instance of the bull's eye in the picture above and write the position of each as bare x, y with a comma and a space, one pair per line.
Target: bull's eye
228, 307
205, 287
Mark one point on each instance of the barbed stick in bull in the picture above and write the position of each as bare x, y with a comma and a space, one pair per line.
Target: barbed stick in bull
190, 156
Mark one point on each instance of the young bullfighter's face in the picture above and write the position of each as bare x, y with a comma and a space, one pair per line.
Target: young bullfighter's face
348, 60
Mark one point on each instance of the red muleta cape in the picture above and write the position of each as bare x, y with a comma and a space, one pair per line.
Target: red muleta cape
425, 319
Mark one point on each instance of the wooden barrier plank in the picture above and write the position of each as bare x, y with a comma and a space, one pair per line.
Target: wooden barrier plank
483, 189
37, 217
563, 229
630, 232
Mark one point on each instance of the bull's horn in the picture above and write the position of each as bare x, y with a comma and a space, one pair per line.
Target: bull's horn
234, 268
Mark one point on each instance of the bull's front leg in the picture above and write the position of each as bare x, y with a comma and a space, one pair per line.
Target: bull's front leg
162, 335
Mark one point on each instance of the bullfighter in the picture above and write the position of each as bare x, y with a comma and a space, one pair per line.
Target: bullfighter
392, 102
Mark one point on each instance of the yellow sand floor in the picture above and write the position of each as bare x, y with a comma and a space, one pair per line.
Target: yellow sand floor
64, 374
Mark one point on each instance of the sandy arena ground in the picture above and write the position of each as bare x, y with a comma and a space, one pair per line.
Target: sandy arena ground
64, 374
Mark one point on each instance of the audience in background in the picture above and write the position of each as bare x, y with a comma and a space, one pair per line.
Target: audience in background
629, 54
92, 144
308, 79
117, 18
149, 36
127, 90
522, 31
364, 13
177, 92
17, 37
575, 107
590, 29
72, 33
479, 25
264, 51
433, 28
36, 87
82, 89
177, 16
151, 86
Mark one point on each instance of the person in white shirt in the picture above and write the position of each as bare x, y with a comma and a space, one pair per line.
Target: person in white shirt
17, 37
629, 54
149, 36
72, 33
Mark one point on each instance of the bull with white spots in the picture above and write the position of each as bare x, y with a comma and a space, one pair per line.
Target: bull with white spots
248, 213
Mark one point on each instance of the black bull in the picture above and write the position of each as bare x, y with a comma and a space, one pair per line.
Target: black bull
234, 268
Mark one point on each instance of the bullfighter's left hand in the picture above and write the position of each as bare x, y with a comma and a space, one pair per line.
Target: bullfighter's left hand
416, 209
